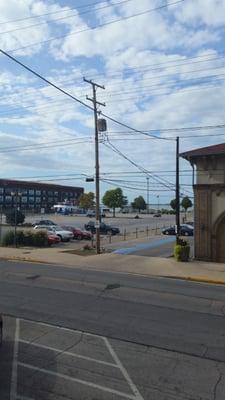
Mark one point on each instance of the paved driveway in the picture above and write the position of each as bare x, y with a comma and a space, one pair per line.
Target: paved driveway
50, 362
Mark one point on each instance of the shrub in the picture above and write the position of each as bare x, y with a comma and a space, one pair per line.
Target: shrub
10, 217
26, 238
20, 237
40, 239
8, 238
182, 250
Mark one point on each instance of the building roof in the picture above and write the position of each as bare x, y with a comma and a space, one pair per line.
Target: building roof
217, 149
38, 185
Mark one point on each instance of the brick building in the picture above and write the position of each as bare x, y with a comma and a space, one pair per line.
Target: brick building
36, 195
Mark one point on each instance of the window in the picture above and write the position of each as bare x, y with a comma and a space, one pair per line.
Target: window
31, 192
1, 199
8, 199
31, 199
38, 192
8, 191
56, 193
24, 199
50, 193
1, 190
23, 191
38, 199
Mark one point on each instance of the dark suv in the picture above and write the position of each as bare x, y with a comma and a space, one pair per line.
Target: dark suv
43, 222
104, 228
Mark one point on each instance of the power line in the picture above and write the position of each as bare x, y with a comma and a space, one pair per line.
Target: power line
73, 97
98, 26
63, 18
52, 12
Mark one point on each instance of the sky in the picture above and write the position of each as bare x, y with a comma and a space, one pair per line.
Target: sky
162, 63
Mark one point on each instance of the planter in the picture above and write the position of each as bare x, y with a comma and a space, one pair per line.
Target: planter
182, 252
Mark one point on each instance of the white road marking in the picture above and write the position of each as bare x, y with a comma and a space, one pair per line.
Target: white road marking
13, 386
82, 382
134, 388
68, 353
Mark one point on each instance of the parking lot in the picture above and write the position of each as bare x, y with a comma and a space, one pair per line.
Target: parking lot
49, 362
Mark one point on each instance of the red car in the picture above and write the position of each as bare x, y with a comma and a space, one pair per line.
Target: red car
53, 238
79, 234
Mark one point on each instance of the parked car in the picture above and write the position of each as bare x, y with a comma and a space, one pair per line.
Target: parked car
157, 215
43, 222
104, 228
78, 234
64, 235
53, 238
185, 230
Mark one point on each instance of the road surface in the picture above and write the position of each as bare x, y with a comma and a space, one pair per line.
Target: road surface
81, 334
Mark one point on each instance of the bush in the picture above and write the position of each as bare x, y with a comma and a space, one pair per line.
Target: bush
8, 239
10, 217
40, 239
26, 238
182, 250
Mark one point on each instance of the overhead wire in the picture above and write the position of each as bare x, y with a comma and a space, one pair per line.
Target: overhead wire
98, 26
63, 18
52, 12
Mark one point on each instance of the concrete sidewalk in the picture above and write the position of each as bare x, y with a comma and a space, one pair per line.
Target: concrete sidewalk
132, 264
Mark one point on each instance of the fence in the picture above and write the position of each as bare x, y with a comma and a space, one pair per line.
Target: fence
135, 233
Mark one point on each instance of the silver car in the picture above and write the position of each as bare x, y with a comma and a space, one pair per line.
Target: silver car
64, 235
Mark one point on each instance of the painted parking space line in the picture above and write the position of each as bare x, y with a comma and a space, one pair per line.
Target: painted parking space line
126, 389
68, 353
144, 246
124, 372
76, 380
13, 386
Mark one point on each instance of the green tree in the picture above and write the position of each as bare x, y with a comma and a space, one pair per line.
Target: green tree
87, 200
13, 216
114, 198
173, 204
139, 203
186, 203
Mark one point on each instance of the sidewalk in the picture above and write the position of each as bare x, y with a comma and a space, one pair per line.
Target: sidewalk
132, 264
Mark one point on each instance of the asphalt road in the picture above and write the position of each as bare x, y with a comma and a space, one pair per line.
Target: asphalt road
129, 337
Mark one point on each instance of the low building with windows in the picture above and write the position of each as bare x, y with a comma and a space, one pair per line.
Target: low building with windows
36, 195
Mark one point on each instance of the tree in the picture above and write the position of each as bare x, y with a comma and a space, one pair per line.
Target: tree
87, 200
13, 216
139, 203
173, 204
114, 198
186, 203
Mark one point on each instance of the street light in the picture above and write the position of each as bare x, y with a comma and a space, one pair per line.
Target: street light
158, 201
15, 195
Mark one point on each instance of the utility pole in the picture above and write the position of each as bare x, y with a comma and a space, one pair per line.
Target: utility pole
147, 194
177, 191
97, 186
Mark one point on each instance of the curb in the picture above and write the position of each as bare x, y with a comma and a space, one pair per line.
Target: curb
199, 279
26, 259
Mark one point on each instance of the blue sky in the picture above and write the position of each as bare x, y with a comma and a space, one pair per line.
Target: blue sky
163, 69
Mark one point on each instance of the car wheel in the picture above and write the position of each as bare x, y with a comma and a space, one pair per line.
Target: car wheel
60, 237
186, 233
166, 233
79, 237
